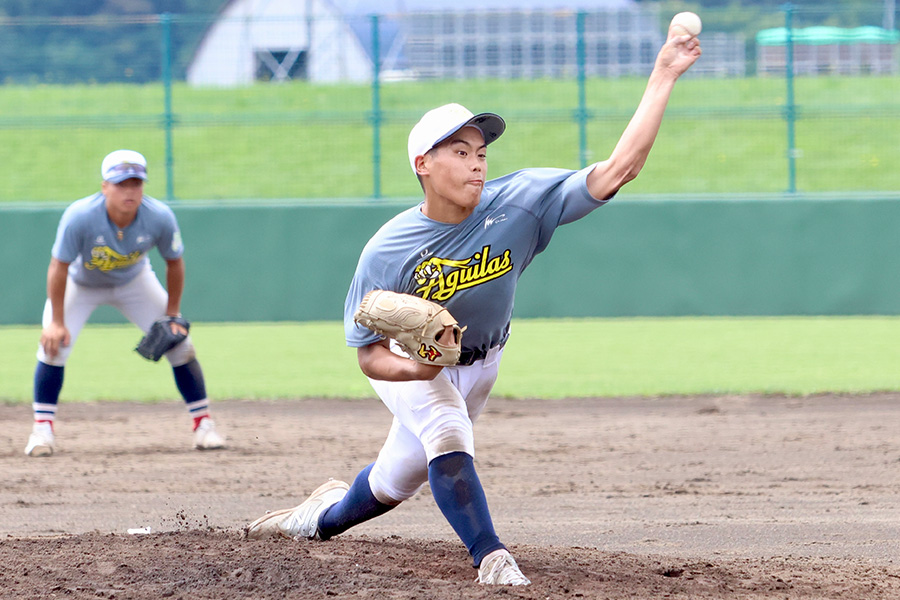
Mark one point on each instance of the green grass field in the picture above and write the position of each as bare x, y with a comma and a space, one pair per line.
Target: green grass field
545, 358
721, 136
298, 140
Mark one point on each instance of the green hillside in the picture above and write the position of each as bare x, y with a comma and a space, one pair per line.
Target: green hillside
721, 136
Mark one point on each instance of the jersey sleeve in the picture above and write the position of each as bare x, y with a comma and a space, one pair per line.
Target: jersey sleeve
169, 242
67, 245
576, 200
553, 196
371, 274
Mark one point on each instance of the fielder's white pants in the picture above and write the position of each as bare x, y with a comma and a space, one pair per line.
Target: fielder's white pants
142, 301
431, 418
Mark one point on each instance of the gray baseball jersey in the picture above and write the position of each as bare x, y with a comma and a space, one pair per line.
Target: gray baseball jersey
471, 267
101, 256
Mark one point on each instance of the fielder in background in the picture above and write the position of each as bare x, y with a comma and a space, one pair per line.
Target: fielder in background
464, 247
100, 257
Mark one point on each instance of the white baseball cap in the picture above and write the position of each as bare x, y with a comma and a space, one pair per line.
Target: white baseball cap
123, 164
438, 124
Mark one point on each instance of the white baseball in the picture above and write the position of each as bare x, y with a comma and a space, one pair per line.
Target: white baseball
687, 21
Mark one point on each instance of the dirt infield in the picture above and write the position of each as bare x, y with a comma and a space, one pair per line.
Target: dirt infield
710, 497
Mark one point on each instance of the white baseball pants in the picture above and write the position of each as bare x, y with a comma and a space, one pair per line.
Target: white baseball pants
142, 301
431, 418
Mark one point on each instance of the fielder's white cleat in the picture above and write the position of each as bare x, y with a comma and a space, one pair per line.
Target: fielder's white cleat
500, 568
41, 442
206, 437
302, 520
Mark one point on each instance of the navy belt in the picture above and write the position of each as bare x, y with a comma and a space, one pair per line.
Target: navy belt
468, 356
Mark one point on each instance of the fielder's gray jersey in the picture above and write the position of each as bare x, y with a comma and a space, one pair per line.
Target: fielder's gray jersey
89, 241
472, 267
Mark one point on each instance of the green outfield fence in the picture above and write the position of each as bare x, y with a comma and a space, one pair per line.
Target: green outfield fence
317, 104
642, 257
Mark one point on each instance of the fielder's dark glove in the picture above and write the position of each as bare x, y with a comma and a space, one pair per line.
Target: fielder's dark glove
160, 338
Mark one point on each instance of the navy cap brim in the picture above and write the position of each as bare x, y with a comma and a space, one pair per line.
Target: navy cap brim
491, 126
120, 177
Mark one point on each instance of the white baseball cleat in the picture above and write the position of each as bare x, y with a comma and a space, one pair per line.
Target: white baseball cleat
500, 568
41, 442
206, 437
302, 520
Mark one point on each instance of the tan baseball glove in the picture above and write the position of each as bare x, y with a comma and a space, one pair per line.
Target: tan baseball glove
418, 325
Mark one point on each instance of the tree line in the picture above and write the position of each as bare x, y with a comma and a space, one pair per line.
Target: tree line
61, 41
66, 41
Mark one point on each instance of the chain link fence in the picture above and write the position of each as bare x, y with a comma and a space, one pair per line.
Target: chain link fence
316, 106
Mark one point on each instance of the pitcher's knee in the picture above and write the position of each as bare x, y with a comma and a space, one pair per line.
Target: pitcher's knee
456, 437
393, 492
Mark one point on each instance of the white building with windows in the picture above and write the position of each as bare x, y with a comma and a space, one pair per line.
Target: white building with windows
278, 40
335, 40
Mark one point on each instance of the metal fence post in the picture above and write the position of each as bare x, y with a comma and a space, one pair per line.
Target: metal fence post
581, 114
790, 108
166, 20
376, 110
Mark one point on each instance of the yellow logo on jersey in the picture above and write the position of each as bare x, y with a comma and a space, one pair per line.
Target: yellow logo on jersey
107, 259
440, 278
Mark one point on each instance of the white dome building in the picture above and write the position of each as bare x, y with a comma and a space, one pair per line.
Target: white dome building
332, 41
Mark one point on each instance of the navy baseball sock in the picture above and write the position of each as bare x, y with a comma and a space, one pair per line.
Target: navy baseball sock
190, 382
458, 493
48, 381
357, 506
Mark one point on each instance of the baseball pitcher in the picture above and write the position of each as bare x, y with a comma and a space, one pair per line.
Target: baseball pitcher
463, 248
